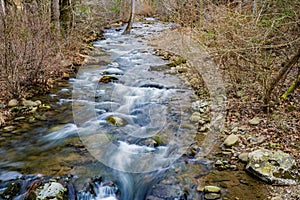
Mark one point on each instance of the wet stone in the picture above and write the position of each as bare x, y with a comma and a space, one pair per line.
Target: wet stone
108, 79
12, 190
212, 196
9, 128
212, 189
52, 190
116, 121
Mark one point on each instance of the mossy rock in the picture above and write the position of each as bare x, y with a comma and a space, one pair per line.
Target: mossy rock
116, 121
177, 61
159, 140
108, 79
11, 191
273, 167
52, 190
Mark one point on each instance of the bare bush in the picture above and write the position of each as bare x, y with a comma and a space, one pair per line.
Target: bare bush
27, 53
250, 40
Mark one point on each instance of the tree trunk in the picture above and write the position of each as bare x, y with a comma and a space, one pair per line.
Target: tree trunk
131, 18
66, 17
55, 14
292, 88
288, 65
3, 7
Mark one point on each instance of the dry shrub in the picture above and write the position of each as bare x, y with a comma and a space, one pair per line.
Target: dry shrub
250, 40
251, 44
27, 53
145, 10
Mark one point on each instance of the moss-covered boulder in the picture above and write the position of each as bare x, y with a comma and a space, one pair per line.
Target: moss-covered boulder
273, 167
116, 121
108, 79
12, 190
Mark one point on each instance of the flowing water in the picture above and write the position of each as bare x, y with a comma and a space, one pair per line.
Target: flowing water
123, 118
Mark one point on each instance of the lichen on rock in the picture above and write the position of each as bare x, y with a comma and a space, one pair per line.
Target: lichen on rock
274, 167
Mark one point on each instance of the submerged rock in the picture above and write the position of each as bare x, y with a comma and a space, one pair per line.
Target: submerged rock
273, 167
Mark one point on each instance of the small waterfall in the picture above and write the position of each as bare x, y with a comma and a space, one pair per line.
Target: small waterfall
98, 191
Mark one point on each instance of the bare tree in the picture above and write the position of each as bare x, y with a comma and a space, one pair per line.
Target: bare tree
3, 7
55, 14
66, 17
131, 18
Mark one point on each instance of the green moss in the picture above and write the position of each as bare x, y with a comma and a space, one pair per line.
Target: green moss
11, 191
178, 61
116, 121
108, 79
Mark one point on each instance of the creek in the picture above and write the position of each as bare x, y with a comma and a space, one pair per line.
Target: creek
124, 118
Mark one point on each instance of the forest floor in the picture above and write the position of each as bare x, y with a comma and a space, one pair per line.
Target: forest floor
276, 130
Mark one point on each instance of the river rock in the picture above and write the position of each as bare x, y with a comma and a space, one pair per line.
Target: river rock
29, 103
107, 79
52, 190
231, 140
65, 76
38, 102
254, 121
244, 157
116, 121
211, 189
196, 116
112, 71
13, 103
273, 167
212, 196
199, 106
12, 190
9, 128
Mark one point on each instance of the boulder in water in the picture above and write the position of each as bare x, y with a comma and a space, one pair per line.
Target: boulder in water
116, 121
275, 167
108, 79
12, 190
52, 190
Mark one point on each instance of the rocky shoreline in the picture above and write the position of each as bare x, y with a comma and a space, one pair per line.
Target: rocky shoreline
272, 168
